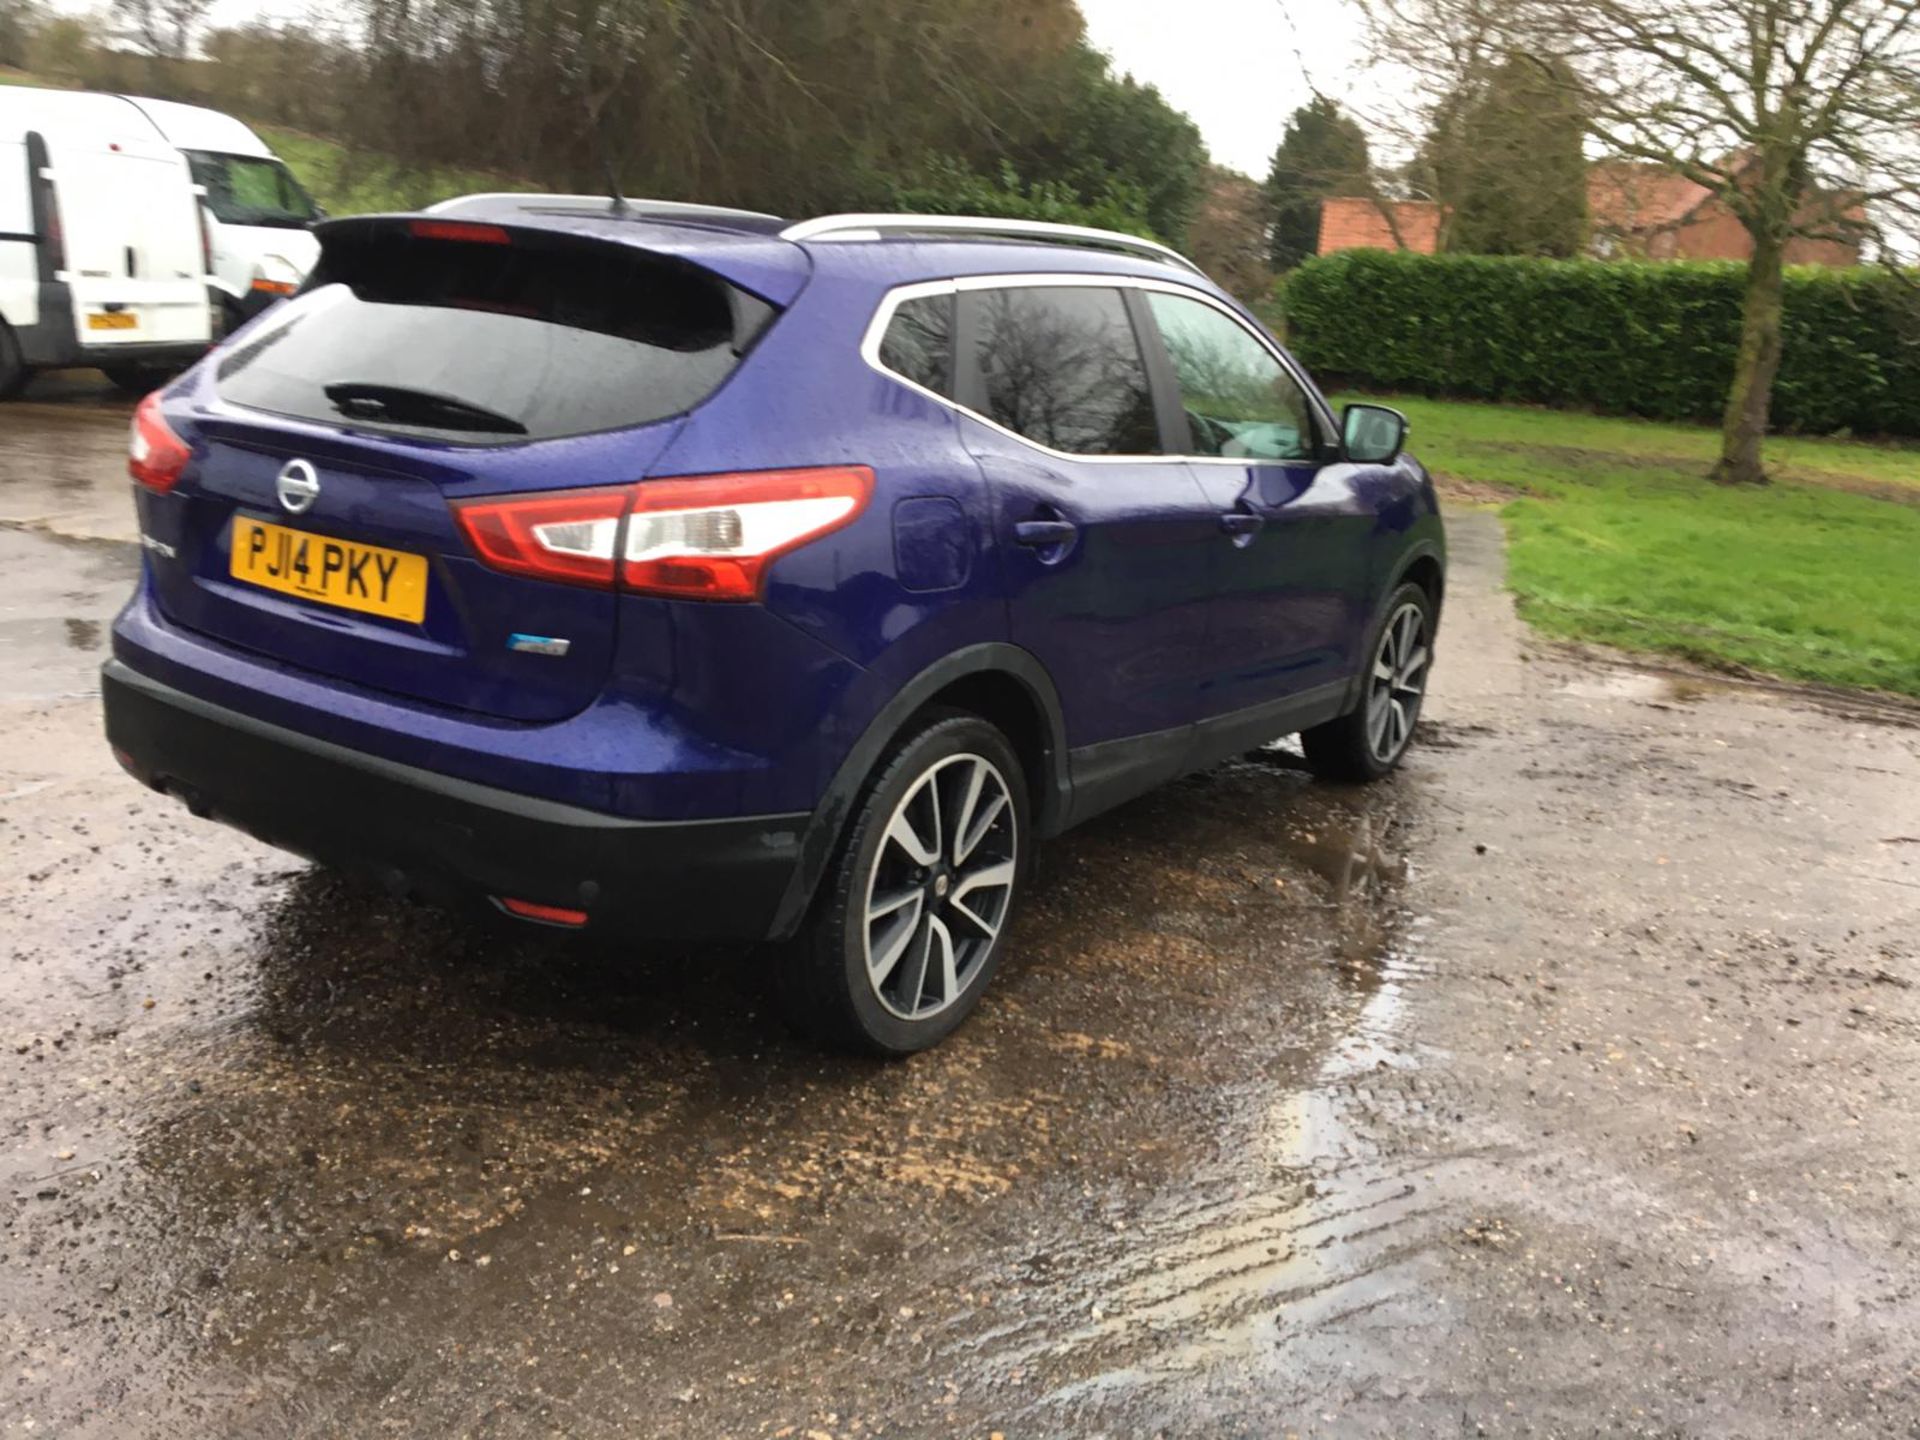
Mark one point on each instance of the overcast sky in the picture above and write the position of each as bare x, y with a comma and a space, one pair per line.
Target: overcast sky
1233, 65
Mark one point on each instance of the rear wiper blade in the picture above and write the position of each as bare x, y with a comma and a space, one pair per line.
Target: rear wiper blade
403, 405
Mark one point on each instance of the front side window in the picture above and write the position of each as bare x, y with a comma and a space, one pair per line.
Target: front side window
1061, 365
1240, 401
919, 342
250, 190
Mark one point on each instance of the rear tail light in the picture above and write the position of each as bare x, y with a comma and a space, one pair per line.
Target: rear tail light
707, 537
565, 536
53, 237
155, 455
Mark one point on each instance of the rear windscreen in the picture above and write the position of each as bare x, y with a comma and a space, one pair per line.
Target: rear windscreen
494, 343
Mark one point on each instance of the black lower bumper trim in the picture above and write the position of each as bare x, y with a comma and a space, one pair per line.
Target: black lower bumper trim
447, 838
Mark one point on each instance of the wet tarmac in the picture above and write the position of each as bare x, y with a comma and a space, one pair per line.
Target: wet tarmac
1563, 1085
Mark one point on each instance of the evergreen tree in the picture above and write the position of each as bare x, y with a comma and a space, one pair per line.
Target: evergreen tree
1324, 152
1509, 161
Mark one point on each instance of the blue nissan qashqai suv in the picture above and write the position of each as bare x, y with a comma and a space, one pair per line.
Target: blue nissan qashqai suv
681, 572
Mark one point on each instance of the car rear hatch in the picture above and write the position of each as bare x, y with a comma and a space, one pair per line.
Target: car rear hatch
430, 362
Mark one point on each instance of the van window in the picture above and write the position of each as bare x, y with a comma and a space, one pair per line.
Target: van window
251, 190
492, 343
919, 342
1061, 365
1240, 401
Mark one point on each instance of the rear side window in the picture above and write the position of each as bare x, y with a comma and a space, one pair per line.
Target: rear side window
918, 344
1060, 364
494, 343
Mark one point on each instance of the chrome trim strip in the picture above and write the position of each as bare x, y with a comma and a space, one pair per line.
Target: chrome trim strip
883, 316
877, 226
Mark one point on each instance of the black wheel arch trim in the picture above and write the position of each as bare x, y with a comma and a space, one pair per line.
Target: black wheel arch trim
830, 816
1426, 549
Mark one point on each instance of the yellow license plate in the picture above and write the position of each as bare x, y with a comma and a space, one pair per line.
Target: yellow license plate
334, 572
113, 320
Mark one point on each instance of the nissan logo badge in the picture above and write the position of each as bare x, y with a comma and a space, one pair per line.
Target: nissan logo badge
298, 487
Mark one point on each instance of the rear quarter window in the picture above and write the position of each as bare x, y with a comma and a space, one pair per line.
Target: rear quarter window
495, 343
918, 343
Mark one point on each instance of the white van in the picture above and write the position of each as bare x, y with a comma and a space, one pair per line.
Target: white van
103, 258
257, 213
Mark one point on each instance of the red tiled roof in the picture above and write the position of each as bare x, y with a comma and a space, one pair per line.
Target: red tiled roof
1632, 199
1360, 223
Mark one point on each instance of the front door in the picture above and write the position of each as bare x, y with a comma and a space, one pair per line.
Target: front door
1284, 620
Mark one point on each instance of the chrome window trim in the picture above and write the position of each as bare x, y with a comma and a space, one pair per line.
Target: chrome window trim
891, 301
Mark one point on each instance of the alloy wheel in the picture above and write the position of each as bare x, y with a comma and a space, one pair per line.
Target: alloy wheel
940, 887
1398, 683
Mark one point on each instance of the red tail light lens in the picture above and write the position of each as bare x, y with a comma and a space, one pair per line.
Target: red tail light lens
567, 536
712, 537
706, 537
155, 455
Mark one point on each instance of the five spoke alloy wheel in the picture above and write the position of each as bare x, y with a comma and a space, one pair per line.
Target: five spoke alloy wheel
1397, 683
940, 886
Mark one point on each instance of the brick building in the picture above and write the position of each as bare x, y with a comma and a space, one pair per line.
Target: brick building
1361, 223
1646, 211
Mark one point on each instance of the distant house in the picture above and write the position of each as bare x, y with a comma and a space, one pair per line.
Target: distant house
1363, 223
1644, 211
1654, 213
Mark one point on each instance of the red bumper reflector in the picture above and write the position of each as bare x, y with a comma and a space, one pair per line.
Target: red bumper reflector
546, 914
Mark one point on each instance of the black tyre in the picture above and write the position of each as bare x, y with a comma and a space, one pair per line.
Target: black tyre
913, 915
13, 366
1368, 741
139, 379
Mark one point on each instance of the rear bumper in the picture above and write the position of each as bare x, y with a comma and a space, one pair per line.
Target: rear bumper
447, 838
55, 341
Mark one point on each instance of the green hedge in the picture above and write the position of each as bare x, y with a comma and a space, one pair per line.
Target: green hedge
1634, 338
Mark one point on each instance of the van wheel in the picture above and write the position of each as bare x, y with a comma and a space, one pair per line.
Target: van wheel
914, 915
13, 365
138, 379
1368, 742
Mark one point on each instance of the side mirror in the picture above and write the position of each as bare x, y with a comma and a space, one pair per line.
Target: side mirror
1372, 434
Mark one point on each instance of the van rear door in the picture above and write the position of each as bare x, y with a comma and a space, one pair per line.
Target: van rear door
130, 221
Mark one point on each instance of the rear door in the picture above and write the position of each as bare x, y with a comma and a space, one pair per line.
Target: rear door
131, 226
415, 372
1105, 540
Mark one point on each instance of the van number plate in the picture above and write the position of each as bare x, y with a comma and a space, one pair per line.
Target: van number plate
334, 572
113, 320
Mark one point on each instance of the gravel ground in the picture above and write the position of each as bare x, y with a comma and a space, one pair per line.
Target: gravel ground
1563, 1085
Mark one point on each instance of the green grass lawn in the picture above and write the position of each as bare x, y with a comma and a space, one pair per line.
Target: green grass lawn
1616, 536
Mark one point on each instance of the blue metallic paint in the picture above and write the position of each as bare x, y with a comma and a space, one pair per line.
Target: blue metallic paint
1149, 620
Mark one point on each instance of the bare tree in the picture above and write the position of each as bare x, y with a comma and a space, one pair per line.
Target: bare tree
163, 27
1802, 117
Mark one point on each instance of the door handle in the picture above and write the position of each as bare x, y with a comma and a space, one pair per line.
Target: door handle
1241, 522
1044, 534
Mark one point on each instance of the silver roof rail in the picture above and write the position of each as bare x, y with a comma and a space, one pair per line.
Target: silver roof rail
875, 227
637, 209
